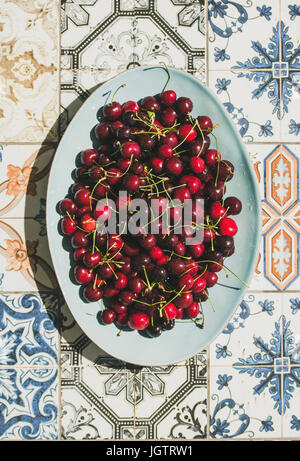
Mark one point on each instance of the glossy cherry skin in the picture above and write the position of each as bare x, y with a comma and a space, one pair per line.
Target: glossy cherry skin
199, 284
211, 278
102, 130
168, 117
227, 226
197, 164
187, 133
82, 197
165, 151
211, 157
168, 97
131, 105
79, 239
233, 204
88, 157
225, 170
170, 139
186, 281
92, 293
176, 266
170, 311
88, 223
68, 226
78, 254
83, 275
184, 105
193, 310
112, 111
138, 321
205, 123
108, 316
91, 259
130, 149
150, 103
184, 300
216, 211
193, 183
174, 166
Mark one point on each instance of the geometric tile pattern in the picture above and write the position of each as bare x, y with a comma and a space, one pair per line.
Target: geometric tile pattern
55, 383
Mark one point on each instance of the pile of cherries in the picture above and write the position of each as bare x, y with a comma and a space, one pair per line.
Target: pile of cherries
153, 148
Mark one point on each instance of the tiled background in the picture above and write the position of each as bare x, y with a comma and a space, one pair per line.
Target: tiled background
54, 383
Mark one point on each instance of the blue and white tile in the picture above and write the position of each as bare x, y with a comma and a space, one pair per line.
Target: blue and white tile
29, 330
29, 404
96, 403
245, 404
254, 108
290, 124
290, 15
252, 335
233, 25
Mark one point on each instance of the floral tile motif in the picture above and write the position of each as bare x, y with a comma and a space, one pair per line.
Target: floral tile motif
24, 255
290, 125
179, 410
231, 26
254, 118
28, 330
290, 14
239, 411
29, 404
23, 179
186, 17
88, 410
28, 71
291, 310
257, 317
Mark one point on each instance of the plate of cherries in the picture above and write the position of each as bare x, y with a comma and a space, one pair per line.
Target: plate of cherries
153, 216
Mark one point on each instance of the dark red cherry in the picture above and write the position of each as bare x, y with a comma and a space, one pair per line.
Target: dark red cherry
112, 111
131, 105
108, 316
103, 130
233, 205
79, 239
205, 123
92, 293
68, 226
168, 116
174, 166
170, 139
138, 321
150, 103
83, 275
91, 259
168, 97
184, 105
130, 149
67, 206
88, 157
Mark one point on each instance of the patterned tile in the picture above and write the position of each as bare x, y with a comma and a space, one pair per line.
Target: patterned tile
244, 405
174, 403
28, 329
233, 26
23, 179
291, 121
252, 330
24, 255
256, 115
93, 405
29, 404
28, 71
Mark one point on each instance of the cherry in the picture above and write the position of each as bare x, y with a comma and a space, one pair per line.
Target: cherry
91, 259
193, 310
208, 235
165, 151
191, 267
205, 123
184, 300
182, 194
82, 275
92, 293
227, 226
193, 183
197, 249
215, 190
68, 226
168, 97
180, 313
150, 103
171, 241
233, 204
156, 253
105, 271
95, 172
136, 284
131, 105
113, 175
211, 157
123, 132
211, 278
166, 324
78, 254
170, 311
110, 292
129, 118
174, 166
130, 149
180, 249
126, 297
197, 164
102, 212
199, 146
159, 274
102, 189
82, 197
88, 157
102, 130
79, 239
88, 223
187, 133
199, 284
170, 139
138, 321
108, 316
225, 170
112, 111
120, 281
224, 243
176, 266
131, 183
148, 241
186, 281
146, 141
157, 164
216, 211
184, 105
153, 331
168, 116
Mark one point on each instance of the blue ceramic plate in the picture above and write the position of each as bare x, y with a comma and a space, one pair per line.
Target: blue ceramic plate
185, 339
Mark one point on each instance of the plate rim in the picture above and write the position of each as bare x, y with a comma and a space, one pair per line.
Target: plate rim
253, 181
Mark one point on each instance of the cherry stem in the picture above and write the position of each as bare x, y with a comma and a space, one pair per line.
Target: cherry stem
113, 96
